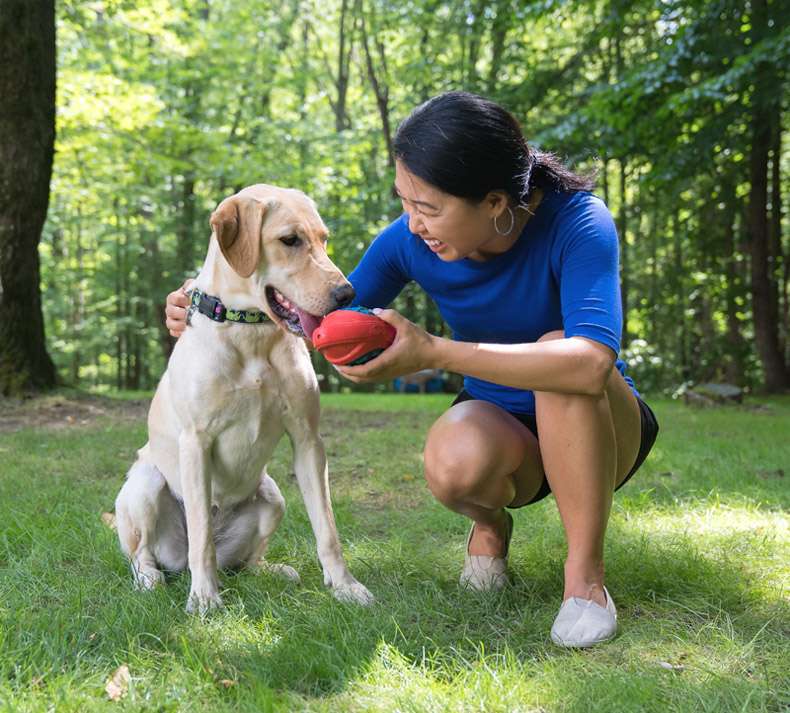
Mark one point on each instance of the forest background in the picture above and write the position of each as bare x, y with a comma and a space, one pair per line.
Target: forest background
164, 108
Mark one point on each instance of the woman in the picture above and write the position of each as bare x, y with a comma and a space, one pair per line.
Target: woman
522, 261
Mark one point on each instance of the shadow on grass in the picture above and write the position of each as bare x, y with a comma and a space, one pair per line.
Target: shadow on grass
70, 609
322, 645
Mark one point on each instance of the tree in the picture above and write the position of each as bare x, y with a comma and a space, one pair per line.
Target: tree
27, 135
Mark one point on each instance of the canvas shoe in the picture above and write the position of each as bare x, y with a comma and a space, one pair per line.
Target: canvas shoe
484, 573
582, 622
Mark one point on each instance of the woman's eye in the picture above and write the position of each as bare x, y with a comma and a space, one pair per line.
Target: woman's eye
291, 241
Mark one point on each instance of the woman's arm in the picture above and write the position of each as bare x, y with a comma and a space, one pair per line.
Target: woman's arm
575, 365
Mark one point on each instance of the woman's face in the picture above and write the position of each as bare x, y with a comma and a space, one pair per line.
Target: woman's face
451, 227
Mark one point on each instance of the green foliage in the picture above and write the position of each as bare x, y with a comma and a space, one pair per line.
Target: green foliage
166, 108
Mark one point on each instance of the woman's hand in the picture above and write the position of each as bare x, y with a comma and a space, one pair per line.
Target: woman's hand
176, 309
412, 350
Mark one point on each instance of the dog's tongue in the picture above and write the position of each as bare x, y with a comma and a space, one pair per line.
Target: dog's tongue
308, 322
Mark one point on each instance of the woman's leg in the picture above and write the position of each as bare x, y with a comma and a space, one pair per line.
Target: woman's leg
588, 445
478, 459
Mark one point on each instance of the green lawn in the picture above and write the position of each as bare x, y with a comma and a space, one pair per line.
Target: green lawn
697, 563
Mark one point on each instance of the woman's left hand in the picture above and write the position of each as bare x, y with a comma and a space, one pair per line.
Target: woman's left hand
412, 350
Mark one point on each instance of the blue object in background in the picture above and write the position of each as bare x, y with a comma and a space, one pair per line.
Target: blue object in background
432, 386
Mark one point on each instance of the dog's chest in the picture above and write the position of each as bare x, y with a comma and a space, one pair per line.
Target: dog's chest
256, 373
251, 430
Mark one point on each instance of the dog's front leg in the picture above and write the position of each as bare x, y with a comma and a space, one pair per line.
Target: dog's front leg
311, 473
193, 449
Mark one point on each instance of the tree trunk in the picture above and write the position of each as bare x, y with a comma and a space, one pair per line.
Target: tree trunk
27, 137
777, 257
736, 347
344, 53
765, 304
379, 85
186, 226
499, 32
622, 229
680, 295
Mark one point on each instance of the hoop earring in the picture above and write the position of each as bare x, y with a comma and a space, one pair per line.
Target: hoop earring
512, 223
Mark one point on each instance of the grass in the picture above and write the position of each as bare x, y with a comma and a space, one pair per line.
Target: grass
697, 557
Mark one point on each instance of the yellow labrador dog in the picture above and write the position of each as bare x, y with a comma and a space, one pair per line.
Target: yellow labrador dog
199, 493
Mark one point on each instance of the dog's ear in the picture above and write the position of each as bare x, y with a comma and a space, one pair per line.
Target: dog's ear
237, 223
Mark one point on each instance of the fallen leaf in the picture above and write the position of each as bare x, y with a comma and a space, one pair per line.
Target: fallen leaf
671, 667
118, 683
108, 518
408, 477
227, 683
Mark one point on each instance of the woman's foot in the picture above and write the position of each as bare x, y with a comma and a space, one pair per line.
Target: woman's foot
582, 622
588, 615
485, 563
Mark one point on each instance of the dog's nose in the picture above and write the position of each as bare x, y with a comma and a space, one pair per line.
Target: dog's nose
343, 295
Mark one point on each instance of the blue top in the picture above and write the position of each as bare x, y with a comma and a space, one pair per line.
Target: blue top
561, 273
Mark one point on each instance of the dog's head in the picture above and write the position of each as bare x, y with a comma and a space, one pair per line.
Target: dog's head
275, 237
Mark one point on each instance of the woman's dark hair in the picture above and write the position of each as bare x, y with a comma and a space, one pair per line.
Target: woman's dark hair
467, 146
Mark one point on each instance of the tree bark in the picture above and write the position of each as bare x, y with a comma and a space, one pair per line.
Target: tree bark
765, 304
736, 346
342, 120
499, 31
27, 138
622, 229
778, 258
379, 86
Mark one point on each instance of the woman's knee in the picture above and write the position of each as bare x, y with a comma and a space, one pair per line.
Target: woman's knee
455, 464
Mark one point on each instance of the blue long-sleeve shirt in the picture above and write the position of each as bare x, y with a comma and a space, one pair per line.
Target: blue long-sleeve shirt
561, 273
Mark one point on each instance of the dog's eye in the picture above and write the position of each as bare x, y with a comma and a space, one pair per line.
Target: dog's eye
291, 241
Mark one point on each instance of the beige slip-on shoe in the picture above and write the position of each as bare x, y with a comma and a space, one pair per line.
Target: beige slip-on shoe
484, 573
582, 622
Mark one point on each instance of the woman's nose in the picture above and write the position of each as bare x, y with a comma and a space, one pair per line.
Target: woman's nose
415, 223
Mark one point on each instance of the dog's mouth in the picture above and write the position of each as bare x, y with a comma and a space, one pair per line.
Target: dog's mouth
295, 319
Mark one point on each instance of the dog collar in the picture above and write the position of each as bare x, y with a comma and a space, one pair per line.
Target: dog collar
213, 308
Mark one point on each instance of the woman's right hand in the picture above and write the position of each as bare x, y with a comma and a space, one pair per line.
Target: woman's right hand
176, 309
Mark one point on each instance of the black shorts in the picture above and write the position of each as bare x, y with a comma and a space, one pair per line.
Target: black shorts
649, 434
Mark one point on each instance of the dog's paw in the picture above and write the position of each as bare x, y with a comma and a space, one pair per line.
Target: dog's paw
203, 601
353, 593
146, 578
284, 571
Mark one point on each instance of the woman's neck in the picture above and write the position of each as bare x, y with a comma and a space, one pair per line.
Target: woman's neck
499, 244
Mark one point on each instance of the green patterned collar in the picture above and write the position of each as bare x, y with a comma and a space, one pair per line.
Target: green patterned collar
218, 312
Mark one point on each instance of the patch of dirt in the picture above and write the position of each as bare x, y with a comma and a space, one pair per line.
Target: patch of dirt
66, 411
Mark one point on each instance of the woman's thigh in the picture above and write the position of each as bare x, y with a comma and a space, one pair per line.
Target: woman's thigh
475, 444
627, 421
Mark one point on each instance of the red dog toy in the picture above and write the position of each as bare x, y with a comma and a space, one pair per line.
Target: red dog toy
352, 336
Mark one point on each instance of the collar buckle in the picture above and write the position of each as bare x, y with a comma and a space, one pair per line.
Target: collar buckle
211, 307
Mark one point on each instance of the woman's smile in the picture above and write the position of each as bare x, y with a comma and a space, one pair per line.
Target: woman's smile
433, 244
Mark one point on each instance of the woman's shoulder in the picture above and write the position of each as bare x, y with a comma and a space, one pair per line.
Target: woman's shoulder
582, 214
574, 203
583, 227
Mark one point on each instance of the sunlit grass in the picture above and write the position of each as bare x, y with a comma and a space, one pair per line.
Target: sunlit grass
697, 558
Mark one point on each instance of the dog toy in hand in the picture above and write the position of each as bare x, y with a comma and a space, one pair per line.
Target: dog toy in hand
352, 336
